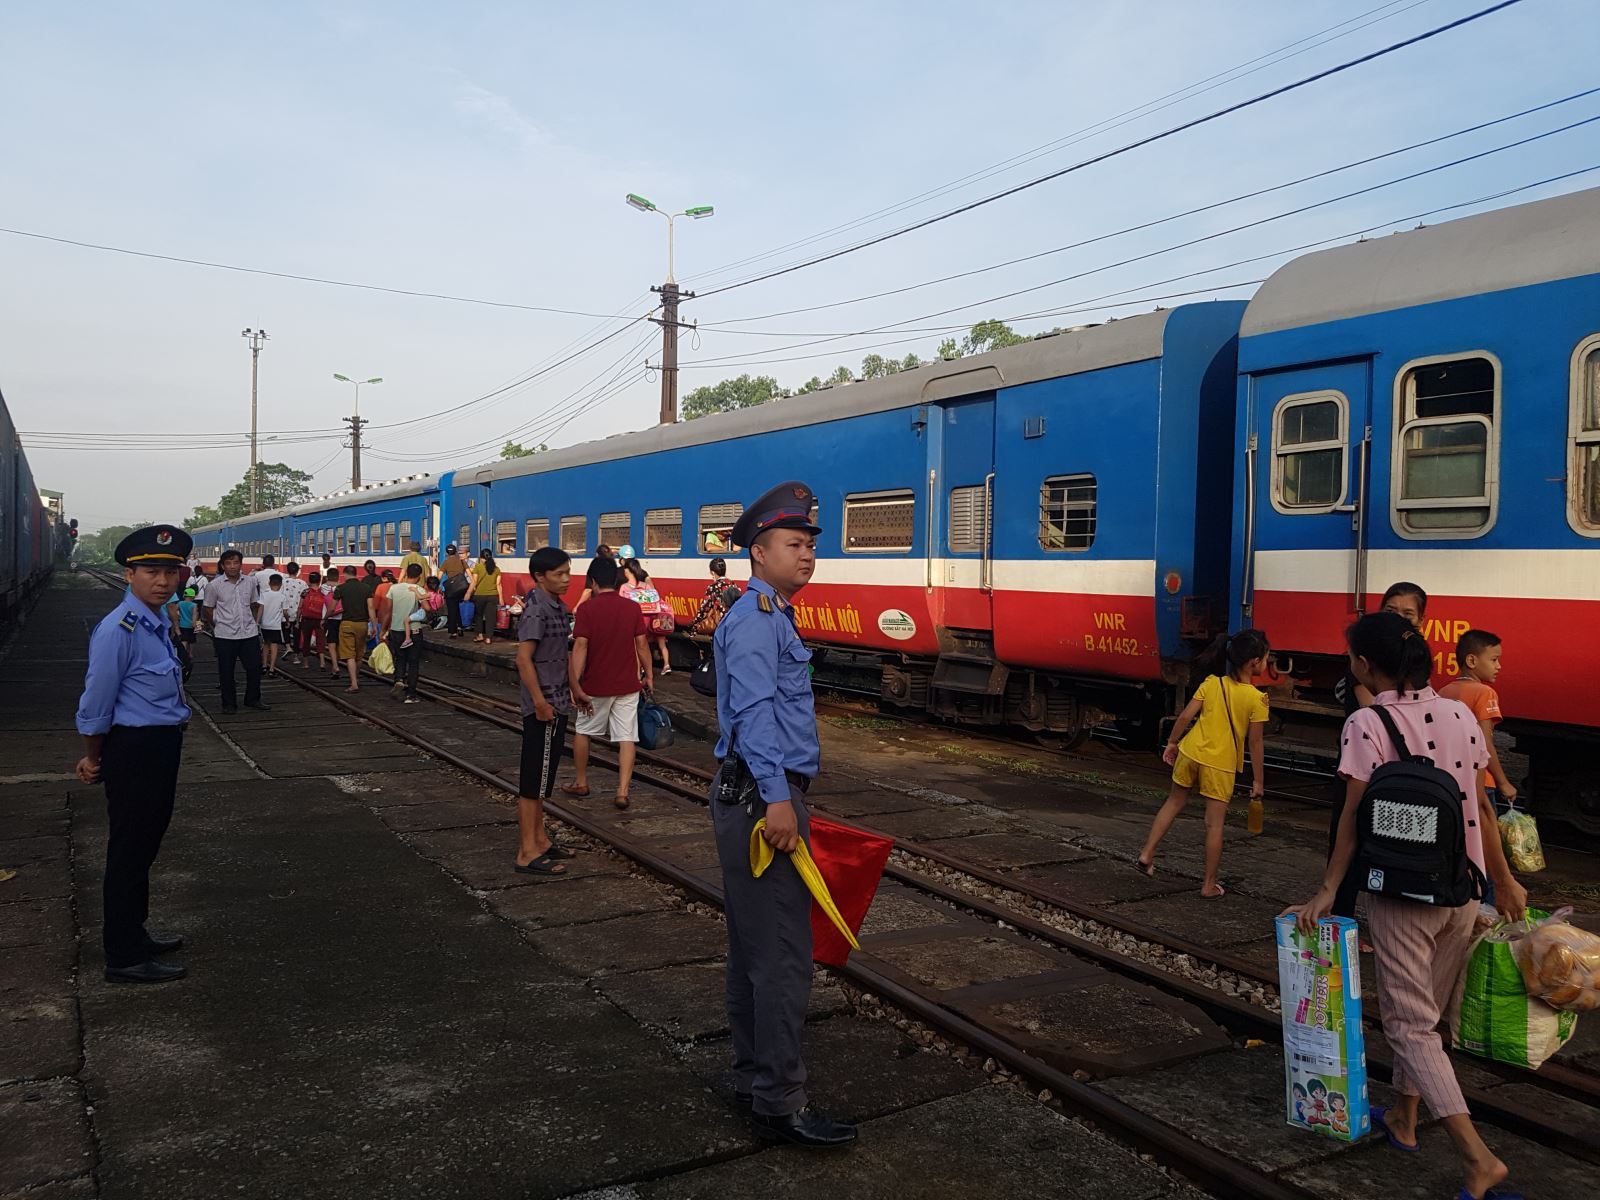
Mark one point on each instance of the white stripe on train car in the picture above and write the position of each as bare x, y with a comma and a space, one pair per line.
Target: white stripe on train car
1523, 574
1097, 577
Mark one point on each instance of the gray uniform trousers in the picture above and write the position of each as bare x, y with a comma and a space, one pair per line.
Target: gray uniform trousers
769, 961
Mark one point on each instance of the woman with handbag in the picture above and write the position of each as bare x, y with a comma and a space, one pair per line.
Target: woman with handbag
1421, 948
657, 613
453, 583
485, 593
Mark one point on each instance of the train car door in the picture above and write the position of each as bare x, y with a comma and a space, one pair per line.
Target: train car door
960, 551
1308, 457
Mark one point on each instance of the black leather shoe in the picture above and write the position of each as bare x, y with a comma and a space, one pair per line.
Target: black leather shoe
163, 943
259, 704
146, 972
805, 1128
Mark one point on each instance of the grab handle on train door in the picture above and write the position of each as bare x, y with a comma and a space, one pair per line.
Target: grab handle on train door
986, 573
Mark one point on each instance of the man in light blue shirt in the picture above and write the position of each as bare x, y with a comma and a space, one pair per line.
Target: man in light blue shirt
131, 716
769, 754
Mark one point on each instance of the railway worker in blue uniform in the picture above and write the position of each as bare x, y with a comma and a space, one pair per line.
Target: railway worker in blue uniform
131, 716
769, 755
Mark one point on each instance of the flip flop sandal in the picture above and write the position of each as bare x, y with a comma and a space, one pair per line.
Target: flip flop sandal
556, 851
539, 866
572, 789
1493, 1193
1221, 892
1381, 1125
620, 800
1147, 869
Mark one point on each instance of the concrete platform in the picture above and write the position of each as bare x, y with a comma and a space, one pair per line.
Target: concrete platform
378, 1006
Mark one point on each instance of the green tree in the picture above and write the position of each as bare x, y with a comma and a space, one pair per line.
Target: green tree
203, 514
875, 366
99, 548
280, 485
911, 363
948, 349
518, 450
842, 375
814, 384
744, 392
990, 335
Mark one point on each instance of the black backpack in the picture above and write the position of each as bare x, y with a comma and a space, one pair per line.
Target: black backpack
1411, 834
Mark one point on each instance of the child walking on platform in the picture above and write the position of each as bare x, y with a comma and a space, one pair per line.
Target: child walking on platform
1225, 713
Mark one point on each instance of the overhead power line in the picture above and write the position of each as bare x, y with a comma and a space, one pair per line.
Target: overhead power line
343, 283
1177, 96
1118, 151
723, 326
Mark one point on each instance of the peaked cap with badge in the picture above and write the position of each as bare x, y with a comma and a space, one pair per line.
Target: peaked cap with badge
787, 506
155, 546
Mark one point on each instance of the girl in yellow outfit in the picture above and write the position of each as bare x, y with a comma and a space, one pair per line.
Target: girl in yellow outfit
1225, 713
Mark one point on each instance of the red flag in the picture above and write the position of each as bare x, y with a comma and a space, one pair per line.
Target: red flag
851, 862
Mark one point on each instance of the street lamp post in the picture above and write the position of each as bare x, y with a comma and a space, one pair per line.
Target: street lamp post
257, 337
355, 422
670, 296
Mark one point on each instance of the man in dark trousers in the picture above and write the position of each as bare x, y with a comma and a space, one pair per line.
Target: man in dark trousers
769, 754
233, 614
131, 717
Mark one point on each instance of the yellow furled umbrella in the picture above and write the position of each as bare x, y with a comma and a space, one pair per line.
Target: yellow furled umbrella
761, 856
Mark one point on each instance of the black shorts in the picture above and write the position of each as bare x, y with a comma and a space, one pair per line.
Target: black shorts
330, 631
186, 636
272, 637
542, 742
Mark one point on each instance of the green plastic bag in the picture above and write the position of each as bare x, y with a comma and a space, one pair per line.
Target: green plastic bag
1492, 1015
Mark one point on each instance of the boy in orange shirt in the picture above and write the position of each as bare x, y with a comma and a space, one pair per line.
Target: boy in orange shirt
1478, 655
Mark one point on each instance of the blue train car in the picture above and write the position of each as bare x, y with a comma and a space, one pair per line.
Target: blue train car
1035, 535
1426, 407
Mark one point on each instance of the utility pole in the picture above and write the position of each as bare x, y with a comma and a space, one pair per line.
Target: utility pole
668, 320
670, 295
257, 338
355, 422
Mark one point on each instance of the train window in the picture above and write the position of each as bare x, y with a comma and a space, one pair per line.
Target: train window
616, 529
376, 544
1310, 433
1067, 512
574, 534
505, 537
327, 542
663, 530
1446, 446
405, 536
1583, 466
716, 527
538, 534
338, 542
879, 521
389, 545
465, 544
969, 519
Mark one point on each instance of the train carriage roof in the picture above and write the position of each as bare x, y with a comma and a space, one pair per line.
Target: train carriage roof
1513, 247
1128, 340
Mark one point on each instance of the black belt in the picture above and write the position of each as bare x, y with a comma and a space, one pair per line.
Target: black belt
803, 782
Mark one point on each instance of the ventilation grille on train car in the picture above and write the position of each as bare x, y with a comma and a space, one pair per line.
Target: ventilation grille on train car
969, 519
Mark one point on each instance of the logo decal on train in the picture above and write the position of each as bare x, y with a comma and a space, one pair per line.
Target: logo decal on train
897, 624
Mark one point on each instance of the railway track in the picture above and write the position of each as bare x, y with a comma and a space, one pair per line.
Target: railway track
1024, 914
1242, 1019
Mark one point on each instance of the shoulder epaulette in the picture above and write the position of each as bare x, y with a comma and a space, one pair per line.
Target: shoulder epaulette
128, 622
763, 602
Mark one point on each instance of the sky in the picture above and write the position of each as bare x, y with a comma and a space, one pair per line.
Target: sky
483, 151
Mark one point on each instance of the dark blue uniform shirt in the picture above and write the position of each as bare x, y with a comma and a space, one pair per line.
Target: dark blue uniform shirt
134, 676
764, 703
